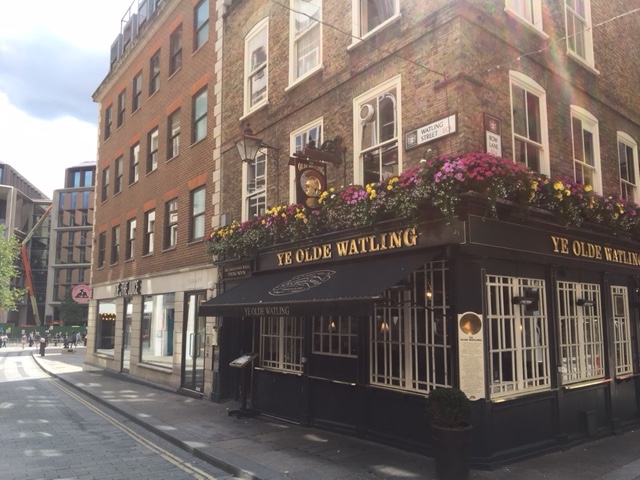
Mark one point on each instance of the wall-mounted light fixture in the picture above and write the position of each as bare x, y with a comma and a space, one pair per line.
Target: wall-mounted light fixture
332, 327
523, 300
584, 302
428, 293
249, 145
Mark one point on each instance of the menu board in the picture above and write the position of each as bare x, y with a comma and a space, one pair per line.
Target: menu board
471, 354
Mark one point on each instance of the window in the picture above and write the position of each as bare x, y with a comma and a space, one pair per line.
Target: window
256, 51
122, 106
376, 130
131, 239
281, 343
152, 156
156, 332
105, 184
201, 28
134, 162
255, 192
298, 140
409, 345
628, 159
175, 50
518, 336
102, 248
137, 92
108, 119
115, 244
306, 47
173, 130
372, 14
579, 38
586, 148
622, 330
200, 116
117, 185
581, 343
149, 230
154, 73
529, 123
530, 11
197, 213
106, 327
171, 224
336, 336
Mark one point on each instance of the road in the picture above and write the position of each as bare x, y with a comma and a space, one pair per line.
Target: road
48, 431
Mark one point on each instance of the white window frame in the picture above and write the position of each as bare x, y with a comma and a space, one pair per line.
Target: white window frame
528, 12
119, 174
153, 146
296, 37
358, 10
134, 163
131, 239
518, 336
258, 29
200, 24
298, 139
170, 239
335, 336
585, 40
629, 186
256, 194
358, 103
173, 132
410, 345
622, 330
588, 123
531, 86
281, 343
580, 333
199, 119
198, 207
149, 232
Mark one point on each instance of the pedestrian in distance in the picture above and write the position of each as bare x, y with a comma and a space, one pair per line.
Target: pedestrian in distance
24, 340
43, 345
4, 340
78, 339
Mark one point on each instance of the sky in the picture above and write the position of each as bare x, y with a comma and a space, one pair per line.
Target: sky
53, 56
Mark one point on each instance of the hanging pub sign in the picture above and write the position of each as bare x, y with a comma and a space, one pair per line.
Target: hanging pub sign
311, 181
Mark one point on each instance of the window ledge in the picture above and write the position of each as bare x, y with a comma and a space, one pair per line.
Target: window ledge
199, 141
135, 111
626, 378
383, 26
275, 370
169, 249
150, 254
153, 94
157, 368
174, 73
587, 384
175, 156
149, 173
582, 62
104, 355
255, 109
518, 395
200, 47
133, 183
306, 76
196, 241
510, 13
129, 260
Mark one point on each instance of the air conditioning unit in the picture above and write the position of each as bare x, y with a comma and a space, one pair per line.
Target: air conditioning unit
130, 31
116, 50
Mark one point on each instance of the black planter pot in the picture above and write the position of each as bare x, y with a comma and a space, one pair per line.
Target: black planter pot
451, 451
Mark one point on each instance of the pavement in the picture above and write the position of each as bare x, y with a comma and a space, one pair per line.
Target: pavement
262, 448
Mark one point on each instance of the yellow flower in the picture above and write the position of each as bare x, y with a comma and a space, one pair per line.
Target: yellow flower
588, 188
534, 185
567, 192
558, 186
559, 196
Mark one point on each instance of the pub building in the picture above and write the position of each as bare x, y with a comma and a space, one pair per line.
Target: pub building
537, 323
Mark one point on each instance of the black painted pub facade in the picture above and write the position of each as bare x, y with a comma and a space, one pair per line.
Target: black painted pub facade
537, 323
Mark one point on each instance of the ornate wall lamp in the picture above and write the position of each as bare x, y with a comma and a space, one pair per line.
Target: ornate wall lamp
249, 145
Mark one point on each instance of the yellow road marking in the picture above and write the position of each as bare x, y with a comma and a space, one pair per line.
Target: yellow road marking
168, 456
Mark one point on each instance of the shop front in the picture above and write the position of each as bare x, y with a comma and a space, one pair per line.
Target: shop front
350, 332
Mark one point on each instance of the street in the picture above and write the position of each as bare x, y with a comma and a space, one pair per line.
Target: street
51, 431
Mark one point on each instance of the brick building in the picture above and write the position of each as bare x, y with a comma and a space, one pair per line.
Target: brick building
352, 329
355, 341
156, 193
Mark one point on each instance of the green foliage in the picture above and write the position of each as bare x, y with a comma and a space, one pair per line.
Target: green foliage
71, 312
9, 255
441, 183
449, 407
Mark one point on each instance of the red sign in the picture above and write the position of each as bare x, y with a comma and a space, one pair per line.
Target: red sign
81, 293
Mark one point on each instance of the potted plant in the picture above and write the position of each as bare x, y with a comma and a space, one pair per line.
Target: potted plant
449, 410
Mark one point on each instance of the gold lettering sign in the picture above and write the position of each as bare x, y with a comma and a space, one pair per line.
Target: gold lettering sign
588, 250
351, 247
